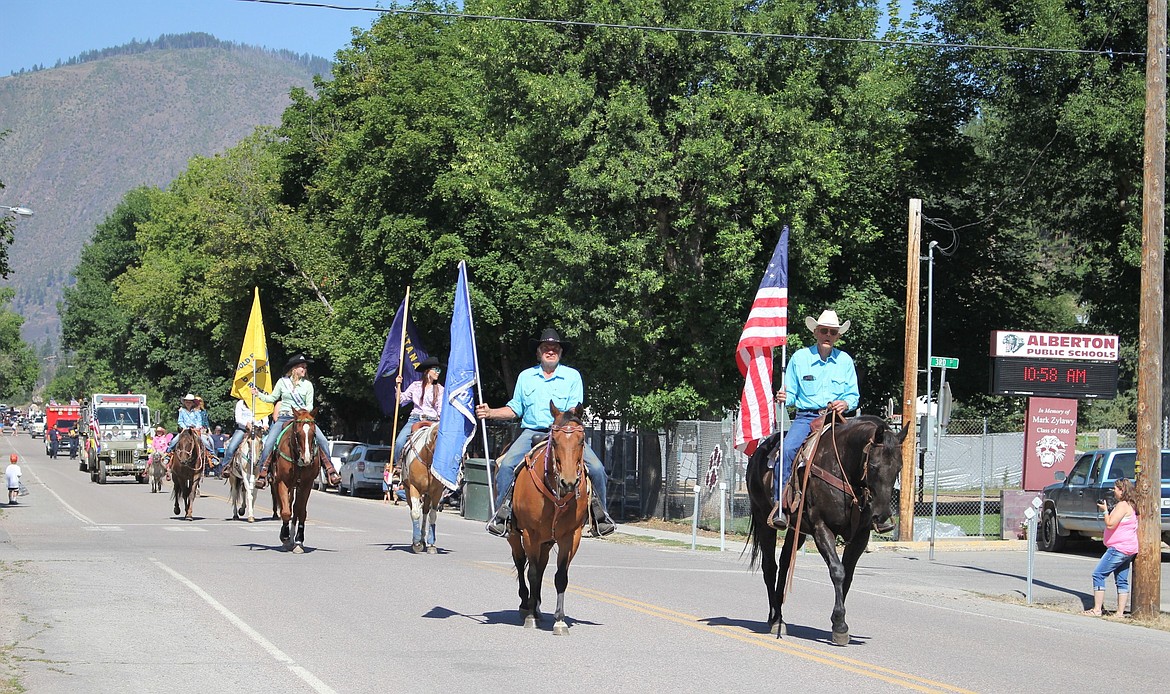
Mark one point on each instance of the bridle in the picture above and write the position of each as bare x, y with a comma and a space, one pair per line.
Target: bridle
544, 481
294, 429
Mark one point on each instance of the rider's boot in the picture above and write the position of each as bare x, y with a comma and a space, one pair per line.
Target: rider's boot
262, 476
602, 524
498, 525
777, 519
330, 471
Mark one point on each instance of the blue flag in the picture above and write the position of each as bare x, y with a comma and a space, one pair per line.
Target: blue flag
457, 420
388, 365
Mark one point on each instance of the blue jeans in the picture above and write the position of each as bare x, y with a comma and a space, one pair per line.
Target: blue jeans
403, 435
274, 433
794, 438
506, 475
1113, 562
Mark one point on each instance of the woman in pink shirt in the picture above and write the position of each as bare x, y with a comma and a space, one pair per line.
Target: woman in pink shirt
1121, 542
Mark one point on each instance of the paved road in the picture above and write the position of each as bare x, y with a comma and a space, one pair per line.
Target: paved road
102, 591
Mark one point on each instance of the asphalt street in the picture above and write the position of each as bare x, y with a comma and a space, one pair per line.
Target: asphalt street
102, 590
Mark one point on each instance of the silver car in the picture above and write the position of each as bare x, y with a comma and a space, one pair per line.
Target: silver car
362, 468
337, 452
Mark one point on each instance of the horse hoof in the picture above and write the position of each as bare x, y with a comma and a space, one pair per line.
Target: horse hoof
774, 629
432, 550
298, 549
560, 629
251, 519
840, 638
529, 622
416, 547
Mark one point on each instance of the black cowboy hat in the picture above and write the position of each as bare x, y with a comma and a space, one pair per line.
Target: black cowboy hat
550, 335
429, 363
297, 360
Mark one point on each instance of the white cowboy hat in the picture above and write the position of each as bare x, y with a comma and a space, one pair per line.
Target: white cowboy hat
188, 396
829, 320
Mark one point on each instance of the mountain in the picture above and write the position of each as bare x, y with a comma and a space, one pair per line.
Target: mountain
83, 133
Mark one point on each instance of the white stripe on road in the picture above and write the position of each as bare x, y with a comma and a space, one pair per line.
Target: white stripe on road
277, 654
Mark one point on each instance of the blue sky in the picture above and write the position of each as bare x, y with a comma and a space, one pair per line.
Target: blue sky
45, 31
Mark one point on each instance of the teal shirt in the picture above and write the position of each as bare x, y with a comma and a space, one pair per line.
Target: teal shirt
811, 383
288, 394
534, 392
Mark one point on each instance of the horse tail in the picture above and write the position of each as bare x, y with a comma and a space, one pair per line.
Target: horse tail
760, 497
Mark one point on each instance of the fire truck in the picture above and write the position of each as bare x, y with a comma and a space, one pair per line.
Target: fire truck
114, 432
63, 418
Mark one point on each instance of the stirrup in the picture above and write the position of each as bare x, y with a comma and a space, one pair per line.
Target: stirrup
261, 481
777, 519
334, 479
498, 525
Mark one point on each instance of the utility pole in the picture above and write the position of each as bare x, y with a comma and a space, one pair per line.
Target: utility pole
1147, 574
910, 373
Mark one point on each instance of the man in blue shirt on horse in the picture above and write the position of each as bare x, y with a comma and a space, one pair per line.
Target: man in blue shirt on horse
819, 379
548, 381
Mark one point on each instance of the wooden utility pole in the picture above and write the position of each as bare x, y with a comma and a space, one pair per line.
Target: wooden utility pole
910, 373
1147, 573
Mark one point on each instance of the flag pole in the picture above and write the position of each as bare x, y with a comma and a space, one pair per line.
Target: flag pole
479, 393
397, 381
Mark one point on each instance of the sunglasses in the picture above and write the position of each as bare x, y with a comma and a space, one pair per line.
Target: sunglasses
827, 331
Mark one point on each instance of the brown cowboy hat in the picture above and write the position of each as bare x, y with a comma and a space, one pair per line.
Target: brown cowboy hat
550, 335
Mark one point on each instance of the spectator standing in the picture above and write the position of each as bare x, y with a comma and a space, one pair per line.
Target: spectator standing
1121, 546
12, 475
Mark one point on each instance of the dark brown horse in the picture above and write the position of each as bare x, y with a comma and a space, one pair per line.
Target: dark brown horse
550, 505
849, 492
296, 466
423, 490
189, 459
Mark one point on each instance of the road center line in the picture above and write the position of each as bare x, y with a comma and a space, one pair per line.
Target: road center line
277, 654
768, 641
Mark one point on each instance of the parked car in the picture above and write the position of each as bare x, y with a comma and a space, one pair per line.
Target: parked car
1070, 506
36, 426
337, 452
362, 468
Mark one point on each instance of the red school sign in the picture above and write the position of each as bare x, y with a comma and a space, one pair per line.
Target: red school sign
1050, 440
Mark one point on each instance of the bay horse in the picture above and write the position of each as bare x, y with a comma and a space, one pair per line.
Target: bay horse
156, 469
550, 504
189, 459
848, 493
423, 489
295, 468
242, 475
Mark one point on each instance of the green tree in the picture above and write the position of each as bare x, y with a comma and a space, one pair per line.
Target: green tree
19, 365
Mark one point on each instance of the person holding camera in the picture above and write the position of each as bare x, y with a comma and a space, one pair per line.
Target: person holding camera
1121, 546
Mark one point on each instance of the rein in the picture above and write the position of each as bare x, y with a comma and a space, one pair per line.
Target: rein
542, 481
312, 442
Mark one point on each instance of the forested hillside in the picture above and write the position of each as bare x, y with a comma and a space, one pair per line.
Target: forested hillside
627, 187
83, 134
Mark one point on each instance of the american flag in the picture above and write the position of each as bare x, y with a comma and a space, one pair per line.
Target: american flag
766, 327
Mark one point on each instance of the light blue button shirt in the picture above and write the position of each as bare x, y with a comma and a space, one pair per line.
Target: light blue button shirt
811, 383
534, 392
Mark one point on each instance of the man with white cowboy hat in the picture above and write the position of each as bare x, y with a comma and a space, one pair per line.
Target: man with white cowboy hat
819, 379
549, 380
190, 418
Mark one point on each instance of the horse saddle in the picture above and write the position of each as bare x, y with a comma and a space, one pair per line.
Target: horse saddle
791, 496
421, 424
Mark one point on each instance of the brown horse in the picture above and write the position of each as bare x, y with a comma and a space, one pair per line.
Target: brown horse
423, 490
849, 488
550, 505
189, 459
296, 466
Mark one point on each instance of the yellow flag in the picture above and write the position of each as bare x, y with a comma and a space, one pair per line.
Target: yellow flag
253, 364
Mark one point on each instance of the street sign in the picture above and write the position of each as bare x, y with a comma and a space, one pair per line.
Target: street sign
944, 362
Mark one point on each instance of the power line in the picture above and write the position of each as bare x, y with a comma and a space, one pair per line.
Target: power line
701, 32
